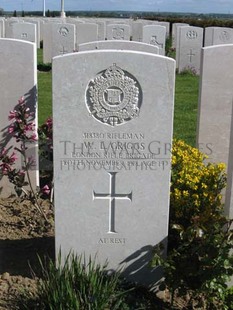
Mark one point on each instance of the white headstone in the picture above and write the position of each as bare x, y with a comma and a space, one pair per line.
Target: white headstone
24, 31
2, 28
118, 32
218, 36
63, 39
215, 102
167, 25
8, 27
119, 45
175, 33
37, 23
189, 52
18, 75
137, 31
112, 134
155, 35
86, 33
229, 189
47, 42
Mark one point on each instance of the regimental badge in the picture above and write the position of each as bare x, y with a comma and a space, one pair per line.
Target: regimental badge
114, 97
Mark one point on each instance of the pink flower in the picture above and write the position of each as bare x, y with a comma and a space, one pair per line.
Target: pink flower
12, 115
33, 137
45, 190
11, 129
21, 100
12, 158
5, 168
3, 152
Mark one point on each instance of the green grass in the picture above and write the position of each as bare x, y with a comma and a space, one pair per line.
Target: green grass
186, 101
44, 96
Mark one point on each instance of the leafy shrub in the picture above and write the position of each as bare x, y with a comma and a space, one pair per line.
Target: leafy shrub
198, 261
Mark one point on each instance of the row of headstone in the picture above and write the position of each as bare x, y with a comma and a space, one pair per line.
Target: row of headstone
60, 39
109, 124
188, 42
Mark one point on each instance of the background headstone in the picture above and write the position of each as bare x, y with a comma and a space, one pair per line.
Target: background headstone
18, 77
112, 134
63, 39
215, 103
118, 32
86, 33
24, 31
119, 45
189, 52
218, 36
155, 35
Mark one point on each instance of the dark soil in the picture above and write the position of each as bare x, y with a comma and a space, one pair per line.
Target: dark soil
24, 235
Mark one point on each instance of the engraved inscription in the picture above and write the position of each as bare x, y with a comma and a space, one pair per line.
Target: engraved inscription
154, 41
113, 97
64, 50
112, 197
190, 55
24, 35
63, 31
191, 34
112, 241
118, 33
224, 36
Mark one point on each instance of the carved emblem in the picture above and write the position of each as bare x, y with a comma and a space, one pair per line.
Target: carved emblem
113, 97
224, 36
191, 34
118, 33
63, 31
24, 35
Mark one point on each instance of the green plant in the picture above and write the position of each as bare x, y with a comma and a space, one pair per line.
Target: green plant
198, 260
77, 284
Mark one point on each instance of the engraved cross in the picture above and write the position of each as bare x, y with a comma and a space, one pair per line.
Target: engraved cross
64, 51
190, 55
112, 196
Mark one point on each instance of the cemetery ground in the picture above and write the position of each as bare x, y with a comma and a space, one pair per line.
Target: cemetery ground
24, 234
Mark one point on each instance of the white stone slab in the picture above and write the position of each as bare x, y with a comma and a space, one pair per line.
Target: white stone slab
8, 27
119, 45
37, 23
175, 33
63, 39
24, 31
215, 102
218, 36
155, 35
47, 43
86, 32
18, 75
229, 189
137, 31
118, 32
167, 25
116, 160
189, 52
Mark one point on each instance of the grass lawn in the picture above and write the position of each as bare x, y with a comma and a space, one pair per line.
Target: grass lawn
186, 101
